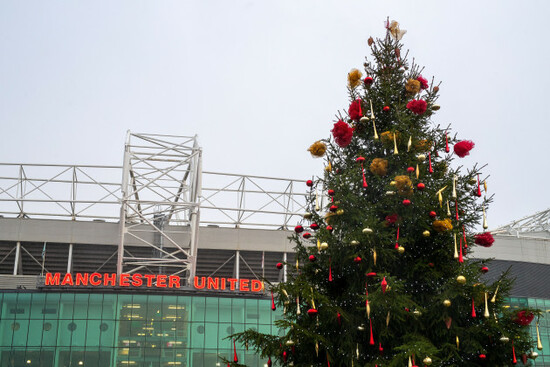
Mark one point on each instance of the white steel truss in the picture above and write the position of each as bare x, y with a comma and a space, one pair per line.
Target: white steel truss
161, 181
538, 222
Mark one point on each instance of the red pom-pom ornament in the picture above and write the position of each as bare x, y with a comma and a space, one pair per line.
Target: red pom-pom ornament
462, 148
354, 110
524, 318
421, 186
298, 229
417, 107
423, 82
342, 133
391, 219
484, 239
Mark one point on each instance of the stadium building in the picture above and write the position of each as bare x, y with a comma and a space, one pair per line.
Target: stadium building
160, 267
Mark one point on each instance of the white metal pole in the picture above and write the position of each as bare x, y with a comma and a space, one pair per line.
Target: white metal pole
17, 258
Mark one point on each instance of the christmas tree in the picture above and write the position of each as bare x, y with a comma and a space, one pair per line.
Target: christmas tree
383, 273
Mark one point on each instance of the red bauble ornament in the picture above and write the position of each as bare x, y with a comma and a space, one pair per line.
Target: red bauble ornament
312, 258
309, 183
484, 269
279, 266
329, 228
372, 274
484, 239
333, 208
331, 192
368, 81
269, 363
431, 265
482, 356
312, 312
420, 186
410, 169
306, 235
462, 148
406, 202
298, 229
314, 226
524, 318
433, 214
386, 108
357, 260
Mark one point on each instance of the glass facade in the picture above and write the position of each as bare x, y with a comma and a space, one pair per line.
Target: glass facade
141, 330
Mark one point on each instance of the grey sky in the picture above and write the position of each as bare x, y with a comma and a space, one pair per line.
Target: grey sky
259, 81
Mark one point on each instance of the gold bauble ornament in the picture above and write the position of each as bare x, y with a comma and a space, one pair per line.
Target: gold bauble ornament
427, 361
401, 250
354, 242
393, 183
364, 119
421, 157
436, 107
447, 303
290, 342
307, 215
417, 313
324, 246
426, 233
340, 212
504, 339
361, 328
367, 230
461, 279
533, 355
390, 193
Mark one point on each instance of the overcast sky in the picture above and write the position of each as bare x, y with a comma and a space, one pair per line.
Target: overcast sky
259, 81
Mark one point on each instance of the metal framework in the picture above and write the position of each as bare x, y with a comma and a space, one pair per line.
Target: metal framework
163, 198
538, 222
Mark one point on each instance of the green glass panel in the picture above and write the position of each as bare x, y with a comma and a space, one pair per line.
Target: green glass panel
238, 310
211, 314
107, 333
124, 307
81, 305
52, 306
34, 338
211, 335
20, 330
37, 306
198, 309
93, 333
95, 306
9, 303
263, 307
66, 306
109, 307
225, 309
49, 333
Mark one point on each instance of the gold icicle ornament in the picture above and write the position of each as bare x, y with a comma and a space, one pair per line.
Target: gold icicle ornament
539, 343
312, 300
440, 196
298, 311
494, 299
456, 248
457, 342
454, 187
374, 256
395, 151
373, 124
409, 144
284, 292
448, 209
485, 226
318, 245
485, 185
328, 168
317, 348
317, 201
410, 362
368, 310
297, 264
486, 314
388, 319
357, 351
417, 171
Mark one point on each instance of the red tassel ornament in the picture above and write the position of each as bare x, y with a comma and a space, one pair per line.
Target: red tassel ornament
478, 188
460, 255
456, 210
339, 319
285, 356
235, 358
397, 239
431, 170
462, 148
329, 270
514, 359
473, 309
273, 308
447, 150
371, 335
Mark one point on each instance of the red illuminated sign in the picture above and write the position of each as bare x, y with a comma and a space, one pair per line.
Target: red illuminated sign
149, 280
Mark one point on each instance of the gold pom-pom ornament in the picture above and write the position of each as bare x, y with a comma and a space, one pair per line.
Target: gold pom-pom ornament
379, 166
412, 86
404, 185
388, 137
354, 78
317, 149
443, 225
